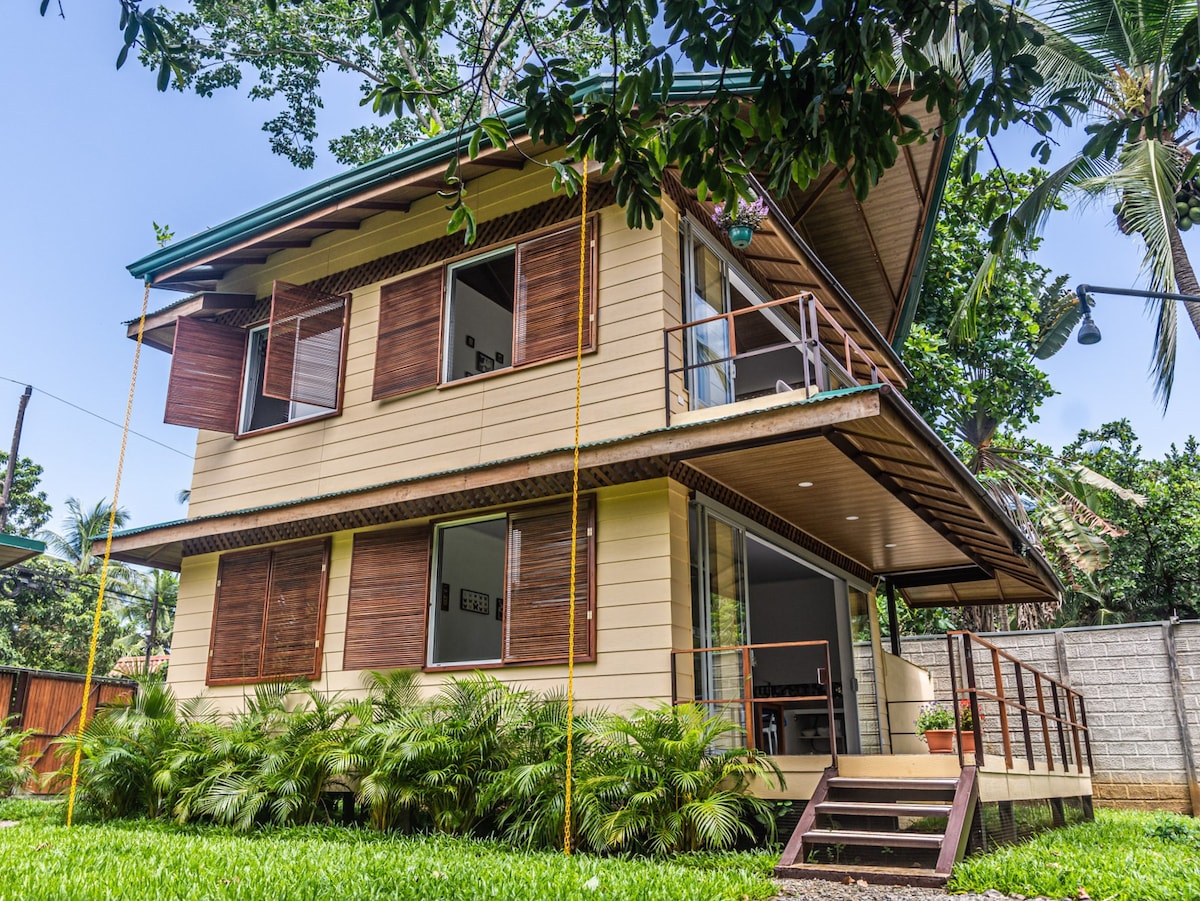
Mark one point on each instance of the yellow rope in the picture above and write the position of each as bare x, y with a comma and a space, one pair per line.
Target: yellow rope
583, 248
112, 517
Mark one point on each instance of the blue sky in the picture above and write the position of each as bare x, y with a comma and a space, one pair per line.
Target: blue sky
92, 156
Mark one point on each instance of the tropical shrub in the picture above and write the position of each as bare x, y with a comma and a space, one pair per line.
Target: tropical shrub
125, 767
664, 787
478, 758
15, 770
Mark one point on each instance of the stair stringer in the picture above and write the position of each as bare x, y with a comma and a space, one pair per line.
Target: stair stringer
794, 851
958, 825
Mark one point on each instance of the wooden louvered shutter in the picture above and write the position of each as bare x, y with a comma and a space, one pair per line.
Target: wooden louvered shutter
235, 652
305, 345
389, 585
539, 572
295, 611
206, 375
547, 301
408, 350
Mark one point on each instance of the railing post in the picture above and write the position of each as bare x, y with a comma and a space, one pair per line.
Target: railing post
954, 694
667, 374
1087, 735
1041, 696
674, 678
1062, 738
999, 677
969, 668
833, 738
748, 699
1071, 695
1024, 713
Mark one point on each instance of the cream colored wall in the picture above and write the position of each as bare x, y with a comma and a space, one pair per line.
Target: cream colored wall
465, 423
643, 609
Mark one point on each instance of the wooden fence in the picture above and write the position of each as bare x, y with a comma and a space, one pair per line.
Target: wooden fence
48, 703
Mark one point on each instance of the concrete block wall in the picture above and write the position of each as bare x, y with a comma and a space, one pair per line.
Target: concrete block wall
1125, 676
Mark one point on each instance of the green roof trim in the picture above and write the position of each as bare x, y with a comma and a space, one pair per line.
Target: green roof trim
815, 399
385, 169
908, 312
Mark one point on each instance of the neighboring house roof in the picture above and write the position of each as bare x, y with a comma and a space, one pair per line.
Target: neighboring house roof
136, 665
14, 549
874, 248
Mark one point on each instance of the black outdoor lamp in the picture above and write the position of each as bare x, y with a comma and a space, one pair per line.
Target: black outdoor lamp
1089, 333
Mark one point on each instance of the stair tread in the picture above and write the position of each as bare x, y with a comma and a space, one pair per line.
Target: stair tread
939, 783
879, 839
874, 875
883, 809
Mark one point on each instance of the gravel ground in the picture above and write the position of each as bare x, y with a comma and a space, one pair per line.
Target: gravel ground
822, 890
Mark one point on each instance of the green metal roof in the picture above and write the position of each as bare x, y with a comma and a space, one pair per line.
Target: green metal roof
14, 549
383, 170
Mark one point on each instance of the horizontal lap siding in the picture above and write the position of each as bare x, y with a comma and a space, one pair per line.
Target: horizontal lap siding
642, 607
463, 424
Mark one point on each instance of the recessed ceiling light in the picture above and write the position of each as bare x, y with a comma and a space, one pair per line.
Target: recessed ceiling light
804, 484
851, 518
890, 545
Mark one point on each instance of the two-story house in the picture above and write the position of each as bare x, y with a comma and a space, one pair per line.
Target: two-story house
384, 456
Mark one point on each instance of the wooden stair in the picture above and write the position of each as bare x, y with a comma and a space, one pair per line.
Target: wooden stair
872, 814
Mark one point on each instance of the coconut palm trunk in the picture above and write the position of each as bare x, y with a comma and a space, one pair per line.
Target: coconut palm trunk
1185, 277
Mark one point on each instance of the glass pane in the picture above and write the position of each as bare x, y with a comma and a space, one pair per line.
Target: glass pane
711, 383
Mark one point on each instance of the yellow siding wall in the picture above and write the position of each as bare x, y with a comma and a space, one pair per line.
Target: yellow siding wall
643, 608
463, 424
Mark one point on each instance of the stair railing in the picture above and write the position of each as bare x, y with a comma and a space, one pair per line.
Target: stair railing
1064, 719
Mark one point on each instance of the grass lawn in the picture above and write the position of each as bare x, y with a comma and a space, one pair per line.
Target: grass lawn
1122, 856
42, 860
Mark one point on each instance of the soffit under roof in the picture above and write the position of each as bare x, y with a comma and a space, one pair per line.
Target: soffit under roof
868, 456
14, 549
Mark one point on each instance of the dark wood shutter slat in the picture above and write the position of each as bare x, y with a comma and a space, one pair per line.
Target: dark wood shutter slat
295, 607
304, 345
389, 584
407, 352
236, 651
539, 573
546, 312
206, 375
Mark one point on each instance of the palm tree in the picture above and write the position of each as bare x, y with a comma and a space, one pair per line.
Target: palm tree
82, 528
1133, 63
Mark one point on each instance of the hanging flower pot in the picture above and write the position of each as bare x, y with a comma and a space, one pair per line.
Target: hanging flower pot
740, 235
741, 225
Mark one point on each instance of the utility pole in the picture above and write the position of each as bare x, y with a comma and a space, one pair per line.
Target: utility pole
153, 625
12, 457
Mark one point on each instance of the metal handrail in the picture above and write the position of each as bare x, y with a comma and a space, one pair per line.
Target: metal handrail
811, 317
1061, 694
747, 699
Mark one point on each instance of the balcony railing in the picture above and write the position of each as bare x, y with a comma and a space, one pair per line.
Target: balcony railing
789, 344
1051, 720
746, 704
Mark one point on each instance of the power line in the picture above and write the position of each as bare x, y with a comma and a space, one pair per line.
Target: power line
118, 425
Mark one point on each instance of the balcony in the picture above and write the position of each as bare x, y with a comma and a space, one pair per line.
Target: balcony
759, 351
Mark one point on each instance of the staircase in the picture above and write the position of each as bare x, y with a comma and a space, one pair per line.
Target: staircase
863, 828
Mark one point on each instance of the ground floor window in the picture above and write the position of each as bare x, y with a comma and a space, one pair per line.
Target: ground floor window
269, 614
476, 591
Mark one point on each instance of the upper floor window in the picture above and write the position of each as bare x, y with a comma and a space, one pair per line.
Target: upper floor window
738, 348
505, 308
237, 380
